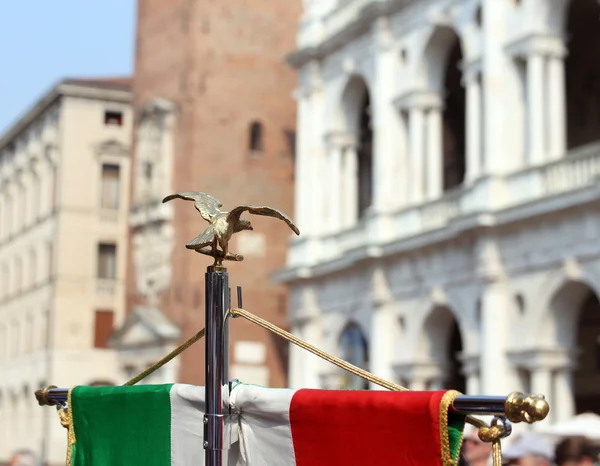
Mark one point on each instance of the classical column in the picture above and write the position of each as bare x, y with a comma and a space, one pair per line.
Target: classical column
388, 134
541, 382
349, 186
470, 369
334, 172
496, 95
381, 342
418, 383
416, 123
474, 127
434, 153
311, 363
382, 339
317, 175
296, 363
302, 173
556, 96
563, 399
496, 376
535, 108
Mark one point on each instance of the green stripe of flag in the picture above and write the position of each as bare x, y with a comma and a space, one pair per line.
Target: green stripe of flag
105, 437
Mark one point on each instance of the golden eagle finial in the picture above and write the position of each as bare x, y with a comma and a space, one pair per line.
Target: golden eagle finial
223, 224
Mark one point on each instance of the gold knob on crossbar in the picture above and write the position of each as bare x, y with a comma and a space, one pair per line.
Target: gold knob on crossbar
42, 396
526, 408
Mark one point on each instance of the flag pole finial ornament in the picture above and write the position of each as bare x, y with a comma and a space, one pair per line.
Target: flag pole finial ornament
223, 224
526, 408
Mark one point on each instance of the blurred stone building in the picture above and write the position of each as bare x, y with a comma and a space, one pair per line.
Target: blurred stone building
64, 196
447, 188
213, 112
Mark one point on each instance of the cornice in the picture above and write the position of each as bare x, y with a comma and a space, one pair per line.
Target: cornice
112, 147
360, 24
537, 44
418, 99
545, 358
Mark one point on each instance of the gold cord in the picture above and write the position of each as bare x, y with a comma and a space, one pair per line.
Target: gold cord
173, 354
486, 433
489, 434
322, 354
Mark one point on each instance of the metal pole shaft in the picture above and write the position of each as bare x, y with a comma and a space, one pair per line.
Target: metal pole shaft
217, 302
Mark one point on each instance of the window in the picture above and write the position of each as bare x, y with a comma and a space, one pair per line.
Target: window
148, 169
18, 287
32, 268
103, 328
3, 340
354, 350
8, 217
50, 260
36, 198
107, 261
54, 187
256, 137
110, 186
113, 118
4, 279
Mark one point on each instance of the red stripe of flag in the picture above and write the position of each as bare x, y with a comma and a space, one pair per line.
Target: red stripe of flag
365, 428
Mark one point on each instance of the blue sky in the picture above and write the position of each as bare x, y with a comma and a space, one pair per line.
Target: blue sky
43, 41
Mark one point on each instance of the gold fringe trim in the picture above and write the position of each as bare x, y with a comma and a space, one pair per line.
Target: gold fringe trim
486, 433
66, 420
445, 404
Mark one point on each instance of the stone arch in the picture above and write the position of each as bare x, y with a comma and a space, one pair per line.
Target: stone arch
582, 72
442, 343
352, 100
356, 118
572, 325
559, 327
541, 312
436, 55
441, 74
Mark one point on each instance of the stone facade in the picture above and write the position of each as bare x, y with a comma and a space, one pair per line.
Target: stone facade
64, 192
214, 113
447, 188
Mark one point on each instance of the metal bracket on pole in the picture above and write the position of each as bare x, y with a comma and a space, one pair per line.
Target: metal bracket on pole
214, 428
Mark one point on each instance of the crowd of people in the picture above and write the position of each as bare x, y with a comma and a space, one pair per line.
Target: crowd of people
530, 449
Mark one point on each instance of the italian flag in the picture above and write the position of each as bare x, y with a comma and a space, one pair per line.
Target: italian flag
162, 425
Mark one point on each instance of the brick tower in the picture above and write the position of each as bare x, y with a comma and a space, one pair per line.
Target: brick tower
214, 113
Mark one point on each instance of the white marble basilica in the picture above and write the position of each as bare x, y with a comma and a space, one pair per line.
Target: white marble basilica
448, 158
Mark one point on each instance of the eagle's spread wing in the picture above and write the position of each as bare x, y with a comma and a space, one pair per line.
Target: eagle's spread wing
262, 210
204, 203
203, 239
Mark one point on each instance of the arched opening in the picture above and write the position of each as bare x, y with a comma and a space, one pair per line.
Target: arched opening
456, 379
355, 351
365, 157
587, 374
442, 344
574, 326
582, 73
454, 117
256, 137
357, 185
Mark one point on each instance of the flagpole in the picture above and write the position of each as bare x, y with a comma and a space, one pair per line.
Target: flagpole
217, 299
